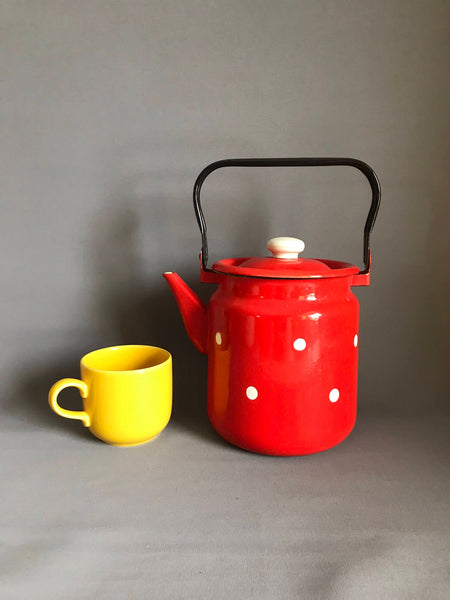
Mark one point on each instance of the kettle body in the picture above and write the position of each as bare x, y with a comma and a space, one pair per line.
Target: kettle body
283, 363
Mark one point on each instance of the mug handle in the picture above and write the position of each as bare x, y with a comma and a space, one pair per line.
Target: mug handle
56, 388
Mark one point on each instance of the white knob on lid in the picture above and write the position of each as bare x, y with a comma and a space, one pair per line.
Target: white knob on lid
285, 247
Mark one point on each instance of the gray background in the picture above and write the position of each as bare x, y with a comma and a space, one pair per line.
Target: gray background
109, 110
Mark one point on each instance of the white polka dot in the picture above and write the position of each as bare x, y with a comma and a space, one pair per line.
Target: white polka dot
334, 395
218, 338
299, 344
252, 393
355, 340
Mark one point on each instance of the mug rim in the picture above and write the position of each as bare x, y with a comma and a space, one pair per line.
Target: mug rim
167, 358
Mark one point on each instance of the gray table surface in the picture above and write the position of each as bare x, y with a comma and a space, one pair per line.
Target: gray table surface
190, 516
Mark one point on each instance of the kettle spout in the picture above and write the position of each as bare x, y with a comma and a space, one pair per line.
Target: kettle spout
193, 310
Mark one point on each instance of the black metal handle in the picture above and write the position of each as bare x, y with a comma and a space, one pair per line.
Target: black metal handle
291, 162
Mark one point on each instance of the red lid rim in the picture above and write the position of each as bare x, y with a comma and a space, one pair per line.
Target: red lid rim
336, 269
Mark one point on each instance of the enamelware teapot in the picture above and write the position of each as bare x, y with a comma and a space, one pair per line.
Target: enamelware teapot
281, 334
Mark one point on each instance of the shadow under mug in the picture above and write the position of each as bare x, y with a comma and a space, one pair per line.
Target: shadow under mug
126, 391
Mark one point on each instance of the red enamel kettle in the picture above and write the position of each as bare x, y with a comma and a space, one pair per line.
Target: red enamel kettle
281, 334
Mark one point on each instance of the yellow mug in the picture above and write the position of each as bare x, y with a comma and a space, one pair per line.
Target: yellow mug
126, 391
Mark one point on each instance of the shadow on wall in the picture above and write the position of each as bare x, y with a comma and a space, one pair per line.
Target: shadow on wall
132, 302
436, 323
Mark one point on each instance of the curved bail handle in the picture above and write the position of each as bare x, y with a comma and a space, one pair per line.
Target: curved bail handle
291, 162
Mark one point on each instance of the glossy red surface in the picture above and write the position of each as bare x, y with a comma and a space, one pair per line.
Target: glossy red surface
193, 310
282, 363
282, 356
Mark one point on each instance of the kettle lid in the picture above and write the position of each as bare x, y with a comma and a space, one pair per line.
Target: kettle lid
284, 263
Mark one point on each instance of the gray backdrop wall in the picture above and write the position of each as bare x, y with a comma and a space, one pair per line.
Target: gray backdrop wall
109, 110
